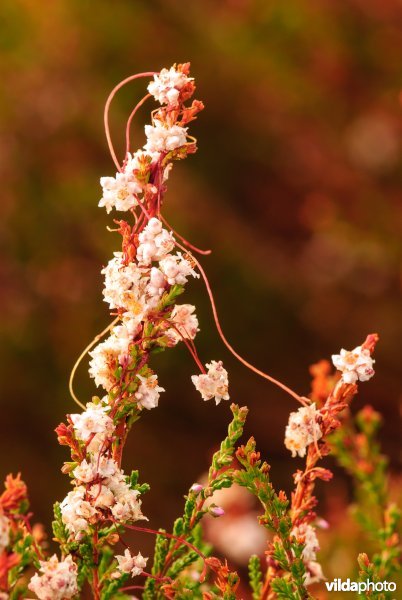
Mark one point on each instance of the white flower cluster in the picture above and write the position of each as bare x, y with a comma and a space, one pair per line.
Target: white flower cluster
176, 269
161, 138
148, 392
306, 534
93, 426
111, 353
135, 290
166, 86
58, 580
355, 365
124, 286
214, 383
302, 429
101, 486
130, 564
185, 323
4, 532
155, 242
121, 192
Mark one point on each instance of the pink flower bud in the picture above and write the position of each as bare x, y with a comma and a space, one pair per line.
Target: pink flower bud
196, 488
322, 524
216, 511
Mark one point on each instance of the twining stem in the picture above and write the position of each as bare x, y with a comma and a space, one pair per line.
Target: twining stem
82, 355
229, 346
129, 121
107, 108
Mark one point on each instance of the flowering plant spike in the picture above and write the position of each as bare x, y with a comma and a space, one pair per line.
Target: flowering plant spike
143, 282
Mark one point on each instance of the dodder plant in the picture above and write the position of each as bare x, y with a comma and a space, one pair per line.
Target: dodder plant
143, 284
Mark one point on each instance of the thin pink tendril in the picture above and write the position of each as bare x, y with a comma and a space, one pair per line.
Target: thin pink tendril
183, 239
107, 108
130, 118
189, 345
144, 210
170, 536
133, 587
228, 345
138, 223
25, 519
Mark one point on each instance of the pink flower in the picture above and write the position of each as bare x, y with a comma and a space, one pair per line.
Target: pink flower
58, 581
216, 511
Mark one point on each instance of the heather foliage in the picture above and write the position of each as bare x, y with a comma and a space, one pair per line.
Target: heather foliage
143, 285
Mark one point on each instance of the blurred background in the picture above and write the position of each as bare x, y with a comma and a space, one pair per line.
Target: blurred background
296, 187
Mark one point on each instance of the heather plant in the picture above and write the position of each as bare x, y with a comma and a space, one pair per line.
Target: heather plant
143, 283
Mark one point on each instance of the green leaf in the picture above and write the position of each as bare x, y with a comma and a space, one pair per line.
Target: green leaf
255, 576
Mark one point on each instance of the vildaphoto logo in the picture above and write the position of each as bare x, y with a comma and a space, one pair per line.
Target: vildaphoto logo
347, 585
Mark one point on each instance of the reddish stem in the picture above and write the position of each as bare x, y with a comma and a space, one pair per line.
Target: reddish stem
95, 569
183, 239
229, 346
129, 121
190, 348
107, 108
167, 535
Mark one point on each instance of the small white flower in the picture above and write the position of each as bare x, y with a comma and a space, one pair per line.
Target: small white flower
135, 162
302, 429
314, 573
58, 581
354, 365
185, 323
118, 484
98, 467
167, 85
131, 564
214, 383
177, 269
125, 561
106, 356
106, 467
124, 285
154, 242
104, 361
102, 496
4, 532
157, 284
139, 564
161, 138
85, 472
121, 512
128, 506
76, 512
306, 534
94, 420
119, 192
148, 392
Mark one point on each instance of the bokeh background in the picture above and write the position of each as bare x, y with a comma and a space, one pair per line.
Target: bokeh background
296, 187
